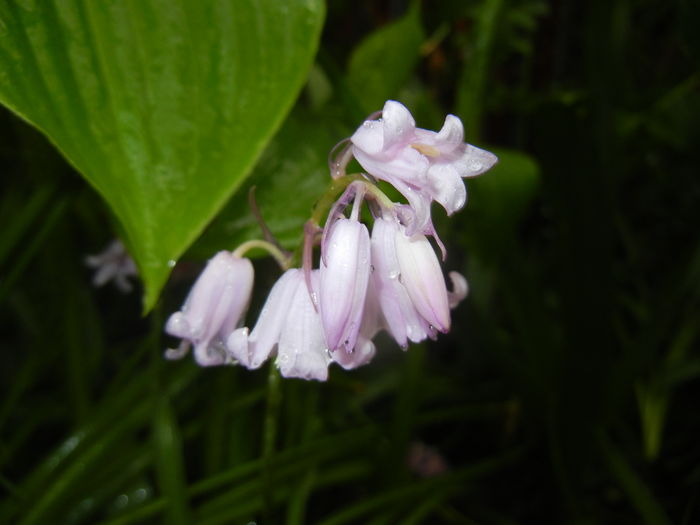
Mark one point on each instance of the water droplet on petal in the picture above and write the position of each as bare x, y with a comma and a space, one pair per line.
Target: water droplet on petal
476, 165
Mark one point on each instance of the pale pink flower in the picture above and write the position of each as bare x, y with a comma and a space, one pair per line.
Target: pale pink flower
423, 165
113, 264
402, 320
289, 325
345, 269
213, 309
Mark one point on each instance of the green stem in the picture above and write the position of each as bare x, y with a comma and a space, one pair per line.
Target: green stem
331, 194
282, 258
269, 438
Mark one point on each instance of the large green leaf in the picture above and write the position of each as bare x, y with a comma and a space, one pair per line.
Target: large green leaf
163, 105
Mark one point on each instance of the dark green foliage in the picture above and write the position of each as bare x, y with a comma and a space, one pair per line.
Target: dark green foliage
565, 393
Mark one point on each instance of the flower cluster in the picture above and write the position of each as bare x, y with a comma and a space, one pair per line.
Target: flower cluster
388, 280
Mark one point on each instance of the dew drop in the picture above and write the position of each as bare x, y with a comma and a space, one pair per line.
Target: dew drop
140, 495
394, 275
476, 166
172, 263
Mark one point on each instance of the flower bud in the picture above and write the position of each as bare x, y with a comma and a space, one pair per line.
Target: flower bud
345, 269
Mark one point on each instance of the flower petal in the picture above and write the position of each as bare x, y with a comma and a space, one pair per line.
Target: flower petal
460, 289
252, 349
302, 349
360, 355
422, 276
402, 319
447, 187
399, 126
474, 161
343, 285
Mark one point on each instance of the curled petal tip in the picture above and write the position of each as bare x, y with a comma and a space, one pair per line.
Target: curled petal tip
178, 326
460, 289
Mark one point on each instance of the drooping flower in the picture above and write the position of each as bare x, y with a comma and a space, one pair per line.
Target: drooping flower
213, 309
423, 165
113, 264
289, 324
422, 277
402, 320
345, 269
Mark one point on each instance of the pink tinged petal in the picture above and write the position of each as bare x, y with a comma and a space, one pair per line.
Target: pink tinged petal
372, 322
369, 138
416, 216
214, 307
360, 355
460, 289
473, 161
400, 315
422, 276
345, 269
451, 135
447, 187
399, 126
252, 349
302, 349
406, 164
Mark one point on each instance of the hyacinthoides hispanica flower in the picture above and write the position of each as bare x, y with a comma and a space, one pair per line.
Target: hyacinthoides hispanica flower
317, 314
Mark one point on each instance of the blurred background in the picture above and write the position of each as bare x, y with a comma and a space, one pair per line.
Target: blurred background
567, 391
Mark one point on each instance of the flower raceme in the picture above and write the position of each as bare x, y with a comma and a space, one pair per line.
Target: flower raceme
391, 280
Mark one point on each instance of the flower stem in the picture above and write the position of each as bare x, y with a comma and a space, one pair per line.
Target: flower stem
282, 258
331, 194
269, 438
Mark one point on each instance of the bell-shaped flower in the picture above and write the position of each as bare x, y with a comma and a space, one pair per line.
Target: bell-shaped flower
402, 320
422, 164
289, 324
213, 309
422, 277
345, 269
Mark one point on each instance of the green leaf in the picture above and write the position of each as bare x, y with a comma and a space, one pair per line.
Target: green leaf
382, 62
162, 105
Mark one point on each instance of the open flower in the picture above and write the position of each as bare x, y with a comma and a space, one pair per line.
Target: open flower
409, 284
113, 264
423, 165
289, 324
217, 302
345, 268
402, 320
422, 276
